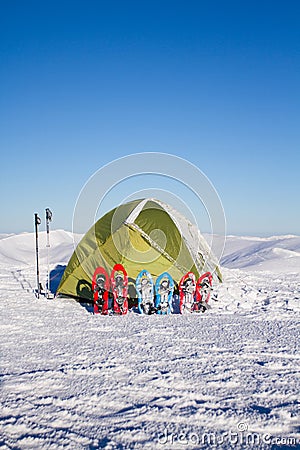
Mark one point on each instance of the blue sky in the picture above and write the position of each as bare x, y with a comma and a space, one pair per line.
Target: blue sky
217, 83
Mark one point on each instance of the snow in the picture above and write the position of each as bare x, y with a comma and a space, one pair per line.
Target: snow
228, 378
20, 249
275, 254
5, 235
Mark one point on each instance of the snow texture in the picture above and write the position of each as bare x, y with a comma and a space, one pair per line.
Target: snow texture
225, 379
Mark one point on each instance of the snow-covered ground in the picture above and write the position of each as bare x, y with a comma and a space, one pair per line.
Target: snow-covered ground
228, 378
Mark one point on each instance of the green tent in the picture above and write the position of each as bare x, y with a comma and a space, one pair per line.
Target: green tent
142, 234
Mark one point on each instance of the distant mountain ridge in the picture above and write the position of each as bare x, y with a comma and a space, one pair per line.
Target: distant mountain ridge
275, 253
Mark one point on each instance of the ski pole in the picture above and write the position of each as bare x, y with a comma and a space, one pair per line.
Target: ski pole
48, 220
37, 222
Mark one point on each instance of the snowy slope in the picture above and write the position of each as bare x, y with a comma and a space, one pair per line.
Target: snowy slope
21, 248
5, 235
225, 379
278, 253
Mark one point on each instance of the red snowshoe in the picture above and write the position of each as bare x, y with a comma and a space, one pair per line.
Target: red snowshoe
100, 287
203, 290
119, 284
187, 288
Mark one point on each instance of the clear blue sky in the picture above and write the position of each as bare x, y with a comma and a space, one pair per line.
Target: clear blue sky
85, 82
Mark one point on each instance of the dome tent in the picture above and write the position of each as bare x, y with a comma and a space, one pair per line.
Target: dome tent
141, 234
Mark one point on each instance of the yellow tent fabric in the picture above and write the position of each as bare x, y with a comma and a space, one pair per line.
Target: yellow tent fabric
141, 234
